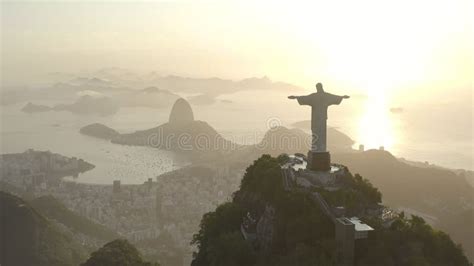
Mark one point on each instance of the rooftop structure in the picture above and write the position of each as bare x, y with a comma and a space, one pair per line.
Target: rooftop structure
361, 230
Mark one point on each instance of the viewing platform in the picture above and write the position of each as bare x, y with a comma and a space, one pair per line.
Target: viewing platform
295, 170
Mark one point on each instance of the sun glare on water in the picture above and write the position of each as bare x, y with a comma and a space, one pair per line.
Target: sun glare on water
376, 126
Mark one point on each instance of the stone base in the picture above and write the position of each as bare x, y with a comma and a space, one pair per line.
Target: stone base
319, 161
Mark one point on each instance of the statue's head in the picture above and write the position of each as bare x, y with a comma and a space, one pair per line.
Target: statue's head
319, 87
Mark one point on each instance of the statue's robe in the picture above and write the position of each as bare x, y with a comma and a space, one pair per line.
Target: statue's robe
319, 103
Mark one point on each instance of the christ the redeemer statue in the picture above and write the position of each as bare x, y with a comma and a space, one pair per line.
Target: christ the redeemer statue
318, 157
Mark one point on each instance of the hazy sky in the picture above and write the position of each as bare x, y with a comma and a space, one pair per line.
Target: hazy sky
369, 45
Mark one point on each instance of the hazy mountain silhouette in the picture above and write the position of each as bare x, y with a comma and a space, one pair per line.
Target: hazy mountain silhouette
113, 80
280, 140
430, 189
27, 238
84, 105
53, 209
434, 191
210, 88
123, 85
99, 131
90, 82
181, 113
35, 108
181, 134
336, 139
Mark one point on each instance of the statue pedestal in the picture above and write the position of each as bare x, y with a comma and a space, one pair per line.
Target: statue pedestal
319, 161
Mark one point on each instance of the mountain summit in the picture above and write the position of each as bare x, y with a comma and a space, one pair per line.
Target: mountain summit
181, 112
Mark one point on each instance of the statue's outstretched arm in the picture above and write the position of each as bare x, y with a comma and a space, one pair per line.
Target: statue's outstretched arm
338, 96
293, 97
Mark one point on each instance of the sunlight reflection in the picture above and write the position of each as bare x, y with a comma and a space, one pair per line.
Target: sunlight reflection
376, 126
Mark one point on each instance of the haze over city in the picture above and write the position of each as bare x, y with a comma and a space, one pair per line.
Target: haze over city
138, 118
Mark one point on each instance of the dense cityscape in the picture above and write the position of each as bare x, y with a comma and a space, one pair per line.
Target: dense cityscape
169, 206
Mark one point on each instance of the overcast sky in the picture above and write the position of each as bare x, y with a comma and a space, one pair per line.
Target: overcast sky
397, 45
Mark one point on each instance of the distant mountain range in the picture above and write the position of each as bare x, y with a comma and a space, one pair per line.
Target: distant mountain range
84, 105
122, 85
119, 77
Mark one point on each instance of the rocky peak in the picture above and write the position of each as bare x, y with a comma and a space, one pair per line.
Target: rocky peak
181, 113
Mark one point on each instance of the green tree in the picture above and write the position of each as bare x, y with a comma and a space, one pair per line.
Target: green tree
230, 249
214, 225
118, 252
264, 178
410, 242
